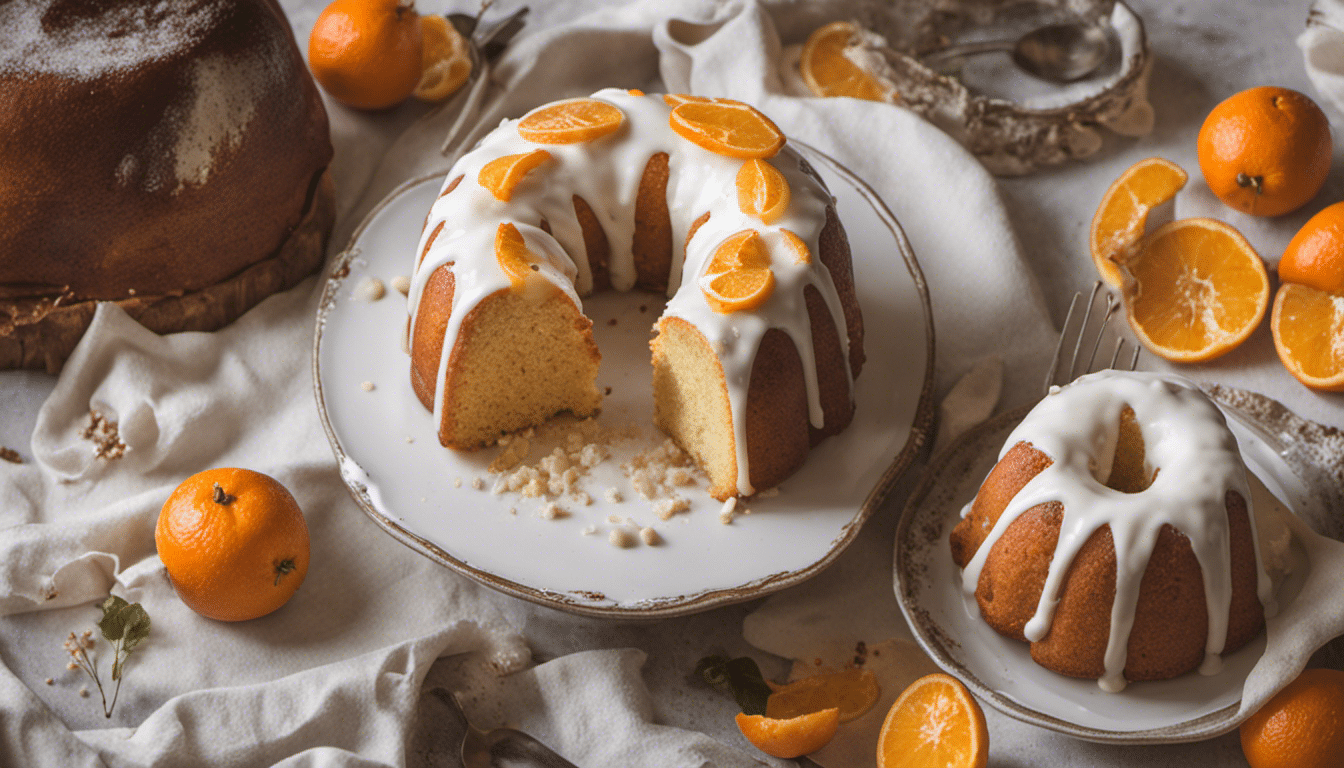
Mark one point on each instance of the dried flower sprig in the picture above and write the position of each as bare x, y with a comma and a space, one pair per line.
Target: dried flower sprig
124, 625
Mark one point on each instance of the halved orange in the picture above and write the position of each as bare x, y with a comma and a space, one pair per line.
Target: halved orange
502, 174
445, 63
728, 128
852, 691
1195, 290
513, 256
828, 72
793, 737
935, 722
1119, 223
1308, 328
762, 191
572, 121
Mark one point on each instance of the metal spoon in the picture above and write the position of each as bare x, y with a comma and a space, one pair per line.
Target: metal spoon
1061, 52
500, 747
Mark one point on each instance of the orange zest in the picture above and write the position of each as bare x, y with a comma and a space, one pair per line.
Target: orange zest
851, 691
1265, 151
367, 53
793, 737
828, 72
513, 255
1308, 330
935, 722
234, 543
1302, 726
804, 256
762, 191
573, 121
727, 127
445, 63
738, 277
502, 174
1119, 223
1195, 290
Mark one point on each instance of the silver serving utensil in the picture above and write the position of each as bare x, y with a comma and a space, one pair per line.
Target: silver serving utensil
500, 747
1081, 339
1060, 52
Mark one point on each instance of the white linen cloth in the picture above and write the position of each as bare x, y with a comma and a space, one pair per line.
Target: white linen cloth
334, 677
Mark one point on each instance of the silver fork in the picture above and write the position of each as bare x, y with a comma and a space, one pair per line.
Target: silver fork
1081, 339
500, 747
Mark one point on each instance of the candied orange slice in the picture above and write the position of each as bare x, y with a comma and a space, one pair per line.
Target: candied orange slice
634, 91
1119, 223
728, 128
1195, 290
513, 256
828, 72
793, 737
445, 63
799, 247
572, 121
502, 174
762, 191
852, 691
744, 249
675, 100
741, 290
1308, 328
935, 722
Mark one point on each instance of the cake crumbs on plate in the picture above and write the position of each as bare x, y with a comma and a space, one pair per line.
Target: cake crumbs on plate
620, 537
367, 386
553, 511
370, 289
650, 536
588, 530
457, 482
402, 284
478, 484
666, 508
613, 495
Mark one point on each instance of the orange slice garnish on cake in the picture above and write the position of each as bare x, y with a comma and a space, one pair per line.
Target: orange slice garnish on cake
791, 737
744, 250
502, 174
573, 121
738, 277
828, 72
1194, 290
1118, 225
513, 255
728, 128
851, 691
762, 191
804, 256
935, 721
675, 100
445, 63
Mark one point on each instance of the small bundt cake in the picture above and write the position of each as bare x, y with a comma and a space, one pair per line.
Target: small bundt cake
751, 366
170, 157
1115, 535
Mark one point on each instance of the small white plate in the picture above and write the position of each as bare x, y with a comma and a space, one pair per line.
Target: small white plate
947, 623
409, 485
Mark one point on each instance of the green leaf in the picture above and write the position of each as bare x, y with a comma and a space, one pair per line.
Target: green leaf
740, 677
113, 623
137, 626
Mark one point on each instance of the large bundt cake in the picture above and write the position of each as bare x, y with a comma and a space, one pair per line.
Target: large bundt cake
1115, 534
170, 157
522, 229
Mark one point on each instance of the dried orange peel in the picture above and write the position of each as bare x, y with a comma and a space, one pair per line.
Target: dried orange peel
762, 191
501, 175
1119, 224
727, 127
573, 121
935, 722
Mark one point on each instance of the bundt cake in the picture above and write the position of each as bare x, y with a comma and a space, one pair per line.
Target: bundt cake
1115, 535
170, 157
756, 353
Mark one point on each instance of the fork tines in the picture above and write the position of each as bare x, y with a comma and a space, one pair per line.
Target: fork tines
1085, 327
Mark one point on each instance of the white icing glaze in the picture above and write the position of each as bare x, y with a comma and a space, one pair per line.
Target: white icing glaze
606, 173
1187, 439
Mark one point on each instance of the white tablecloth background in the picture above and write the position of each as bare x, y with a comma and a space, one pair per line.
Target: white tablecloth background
335, 677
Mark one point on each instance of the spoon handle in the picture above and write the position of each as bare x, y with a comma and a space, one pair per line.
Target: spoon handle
515, 748
965, 49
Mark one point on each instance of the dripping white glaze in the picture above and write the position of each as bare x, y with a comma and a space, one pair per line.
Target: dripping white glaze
606, 173
1186, 437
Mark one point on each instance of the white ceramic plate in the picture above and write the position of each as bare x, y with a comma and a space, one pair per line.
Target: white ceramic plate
409, 484
947, 623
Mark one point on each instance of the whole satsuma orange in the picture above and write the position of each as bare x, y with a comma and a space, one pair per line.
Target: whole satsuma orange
234, 542
1301, 727
367, 53
1265, 151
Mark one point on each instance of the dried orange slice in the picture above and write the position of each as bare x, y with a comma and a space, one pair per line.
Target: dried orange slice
1195, 290
935, 722
762, 191
1308, 328
852, 691
794, 737
1118, 225
502, 174
799, 247
728, 128
445, 63
572, 121
513, 256
828, 72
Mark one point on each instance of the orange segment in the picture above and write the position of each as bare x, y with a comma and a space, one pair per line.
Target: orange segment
727, 127
745, 249
573, 121
1308, 328
852, 691
762, 191
1196, 289
799, 247
794, 737
1118, 225
445, 63
739, 290
935, 722
513, 256
502, 174
1315, 255
828, 72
